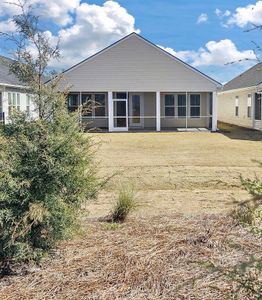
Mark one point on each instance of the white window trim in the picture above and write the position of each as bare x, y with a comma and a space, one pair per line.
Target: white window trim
13, 98
200, 106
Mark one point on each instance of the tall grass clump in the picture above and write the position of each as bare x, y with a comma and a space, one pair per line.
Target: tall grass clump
124, 205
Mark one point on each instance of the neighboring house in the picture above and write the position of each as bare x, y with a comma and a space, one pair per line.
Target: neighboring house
13, 94
239, 102
135, 85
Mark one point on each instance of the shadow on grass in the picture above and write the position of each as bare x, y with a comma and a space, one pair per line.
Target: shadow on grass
239, 133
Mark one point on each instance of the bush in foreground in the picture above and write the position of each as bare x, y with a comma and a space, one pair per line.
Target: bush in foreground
46, 164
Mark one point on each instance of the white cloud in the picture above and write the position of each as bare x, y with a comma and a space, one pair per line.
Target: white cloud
221, 14
95, 27
215, 54
7, 26
203, 18
250, 14
59, 11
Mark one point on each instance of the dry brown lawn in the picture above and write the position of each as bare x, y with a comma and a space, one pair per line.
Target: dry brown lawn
185, 184
189, 173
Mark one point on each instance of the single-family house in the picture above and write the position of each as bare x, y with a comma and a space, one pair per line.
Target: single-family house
239, 102
135, 85
13, 93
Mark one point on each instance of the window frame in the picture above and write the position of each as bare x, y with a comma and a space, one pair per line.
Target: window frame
195, 106
14, 101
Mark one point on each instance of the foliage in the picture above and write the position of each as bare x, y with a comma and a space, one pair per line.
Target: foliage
46, 164
42, 186
125, 204
247, 275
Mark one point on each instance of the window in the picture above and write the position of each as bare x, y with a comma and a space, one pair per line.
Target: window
258, 107
13, 102
94, 104
169, 105
249, 104
195, 106
73, 101
100, 105
18, 107
28, 103
236, 106
87, 104
181, 105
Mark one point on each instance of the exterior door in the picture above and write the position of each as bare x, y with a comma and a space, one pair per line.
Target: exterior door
136, 109
120, 115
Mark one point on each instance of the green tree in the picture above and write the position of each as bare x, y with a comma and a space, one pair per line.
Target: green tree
46, 164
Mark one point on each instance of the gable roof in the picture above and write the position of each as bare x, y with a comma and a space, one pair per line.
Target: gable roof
251, 77
151, 44
6, 77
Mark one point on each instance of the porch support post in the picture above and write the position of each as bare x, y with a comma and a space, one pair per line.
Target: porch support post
158, 112
214, 112
110, 112
261, 111
253, 109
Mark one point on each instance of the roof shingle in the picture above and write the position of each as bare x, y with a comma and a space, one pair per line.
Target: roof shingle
251, 77
6, 77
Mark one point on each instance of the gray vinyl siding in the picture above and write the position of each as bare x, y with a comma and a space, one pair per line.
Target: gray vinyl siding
226, 108
134, 65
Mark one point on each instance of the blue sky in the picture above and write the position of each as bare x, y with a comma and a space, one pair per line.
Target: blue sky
206, 34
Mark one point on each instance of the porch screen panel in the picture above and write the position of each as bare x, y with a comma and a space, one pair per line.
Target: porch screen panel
258, 107
72, 102
169, 105
181, 106
136, 108
195, 106
100, 105
87, 104
120, 114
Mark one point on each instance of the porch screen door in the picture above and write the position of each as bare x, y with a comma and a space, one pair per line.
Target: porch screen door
120, 115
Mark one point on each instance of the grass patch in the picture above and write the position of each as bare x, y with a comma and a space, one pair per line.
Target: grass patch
125, 204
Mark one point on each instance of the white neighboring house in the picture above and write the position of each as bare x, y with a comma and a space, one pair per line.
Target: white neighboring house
13, 94
135, 85
239, 102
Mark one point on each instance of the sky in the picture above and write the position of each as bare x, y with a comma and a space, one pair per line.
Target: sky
208, 34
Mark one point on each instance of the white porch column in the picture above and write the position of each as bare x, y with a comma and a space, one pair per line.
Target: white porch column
253, 109
214, 112
110, 112
158, 112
